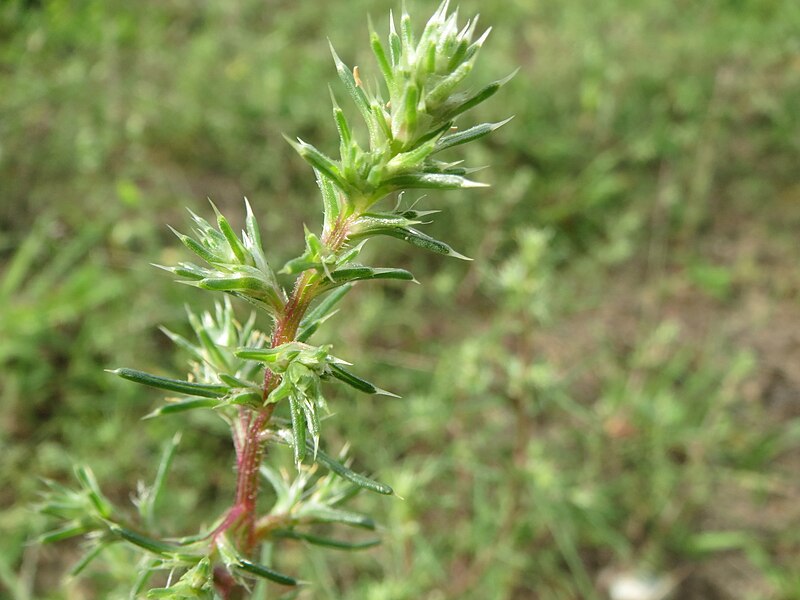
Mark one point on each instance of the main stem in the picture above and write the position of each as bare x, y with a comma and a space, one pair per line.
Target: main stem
250, 451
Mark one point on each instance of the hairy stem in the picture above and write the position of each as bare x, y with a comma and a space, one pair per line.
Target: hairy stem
250, 449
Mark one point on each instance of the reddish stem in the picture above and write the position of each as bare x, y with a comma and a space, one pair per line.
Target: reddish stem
249, 442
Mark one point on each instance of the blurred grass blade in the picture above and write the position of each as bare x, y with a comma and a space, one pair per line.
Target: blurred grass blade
87, 559
148, 503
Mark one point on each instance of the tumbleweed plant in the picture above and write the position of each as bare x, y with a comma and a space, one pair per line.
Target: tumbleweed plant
268, 387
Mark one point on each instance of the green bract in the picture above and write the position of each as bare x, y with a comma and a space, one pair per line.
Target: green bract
268, 386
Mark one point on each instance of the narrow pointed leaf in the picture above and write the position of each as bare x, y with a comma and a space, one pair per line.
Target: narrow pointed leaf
188, 270
360, 273
183, 406
356, 93
326, 542
196, 247
445, 88
146, 572
419, 239
251, 225
86, 560
148, 504
345, 473
202, 390
64, 533
315, 316
395, 45
436, 181
468, 135
87, 479
319, 161
182, 342
434, 133
265, 572
312, 422
230, 236
354, 381
324, 514
380, 56
330, 200
298, 428
406, 35
477, 98
153, 546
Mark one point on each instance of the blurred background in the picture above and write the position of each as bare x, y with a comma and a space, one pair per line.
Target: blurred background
605, 402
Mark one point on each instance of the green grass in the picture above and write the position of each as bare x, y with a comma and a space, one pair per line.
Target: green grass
636, 409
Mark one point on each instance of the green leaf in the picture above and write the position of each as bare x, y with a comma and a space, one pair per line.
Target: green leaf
468, 135
412, 158
326, 542
298, 428
214, 353
316, 315
361, 273
87, 558
325, 514
380, 55
330, 200
195, 246
153, 546
230, 236
188, 270
64, 533
244, 284
203, 390
444, 89
183, 343
149, 500
320, 162
87, 479
395, 45
251, 225
360, 384
436, 181
345, 473
456, 106
357, 94
265, 572
183, 406
146, 572
418, 239
405, 128
406, 35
